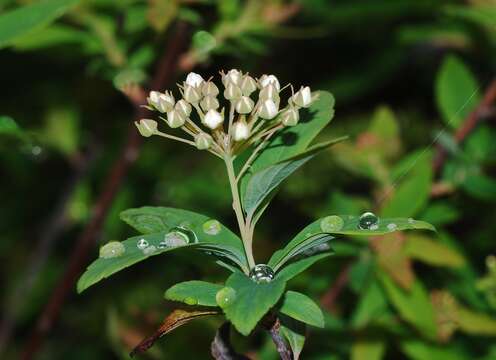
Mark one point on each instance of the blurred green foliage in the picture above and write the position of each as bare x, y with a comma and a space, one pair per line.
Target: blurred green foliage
405, 75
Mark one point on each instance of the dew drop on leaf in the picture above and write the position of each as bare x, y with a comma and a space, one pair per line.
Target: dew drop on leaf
262, 273
411, 221
331, 223
190, 300
142, 244
367, 220
149, 250
392, 226
174, 239
112, 249
374, 227
225, 297
211, 227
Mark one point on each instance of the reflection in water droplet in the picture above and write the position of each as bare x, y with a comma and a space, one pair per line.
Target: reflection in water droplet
190, 300
331, 223
142, 244
392, 226
374, 227
112, 249
211, 227
411, 221
149, 250
367, 220
173, 239
225, 297
262, 273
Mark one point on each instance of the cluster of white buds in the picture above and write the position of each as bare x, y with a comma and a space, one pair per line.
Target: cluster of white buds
226, 125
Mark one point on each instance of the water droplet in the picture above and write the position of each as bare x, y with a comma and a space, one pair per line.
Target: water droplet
331, 223
149, 250
262, 273
225, 297
186, 233
374, 227
392, 226
112, 249
411, 221
190, 300
142, 244
367, 220
211, 227
174, 239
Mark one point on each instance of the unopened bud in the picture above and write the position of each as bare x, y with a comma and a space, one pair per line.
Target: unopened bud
268, 110
191, 94
244, 105
203, 141
213, 119
234, 76
290, 117
161, 102
146, 127
269, 92
269, 79
194, 79
209, 103
303, 97
175, 119
240, 130
210, 89
183, 107
248, 85
232, 91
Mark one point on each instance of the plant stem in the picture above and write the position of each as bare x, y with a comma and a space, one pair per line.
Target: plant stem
245, 237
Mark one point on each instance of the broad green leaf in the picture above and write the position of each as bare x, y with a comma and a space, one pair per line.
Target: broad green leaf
9, 127
103, 268
194, 292
371, 306
481, 186
432, 252
263, 182
417, 349
350, 227
54, 35
28, 18
414, 305
457, 91
300, 307
203, 42
296, 267
150, 219
252, 301
481, 14
368, 348
475, 323
440, 213
294, 332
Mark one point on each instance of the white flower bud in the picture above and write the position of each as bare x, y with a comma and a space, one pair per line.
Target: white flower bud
232, 92
175, 119
203, 141
240, 131
244, 105
183, 107
146, 127
213, 119
234, 76
209, 103
268, 110
269, 79
303, 97
269, 92
290, 117
161, 102
191, 94
210, 89
194, 79
248, 85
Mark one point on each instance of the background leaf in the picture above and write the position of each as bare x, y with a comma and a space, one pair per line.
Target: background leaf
194, 292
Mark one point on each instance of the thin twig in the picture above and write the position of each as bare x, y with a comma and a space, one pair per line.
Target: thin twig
272, 324
328, 300
222, 348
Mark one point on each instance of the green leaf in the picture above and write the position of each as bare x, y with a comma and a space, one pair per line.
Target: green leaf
475, 323
203, 42
296, 267
150, 219
417, 349
457, 91
432, 252
194, 293
300, 307
9, 127
264, 181
103, 268
294, 332
414, 305
372, 304
350, 227
481, 186
27, 19
252, 301
368, 348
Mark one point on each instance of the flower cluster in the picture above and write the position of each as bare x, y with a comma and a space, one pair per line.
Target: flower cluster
254, 111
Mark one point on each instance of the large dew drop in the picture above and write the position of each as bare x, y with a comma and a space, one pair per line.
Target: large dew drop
367, 221
142, 244
174, 239
190, 300
225, 297
331, 223
112, 249
392, 226
262, 273
149, 250
211, 227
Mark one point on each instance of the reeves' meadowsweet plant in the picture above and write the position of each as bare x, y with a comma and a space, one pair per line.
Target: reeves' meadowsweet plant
261, 139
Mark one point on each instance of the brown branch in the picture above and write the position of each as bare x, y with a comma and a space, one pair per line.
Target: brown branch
86, 240
328, 300
468, 125
222, 348
271, 323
